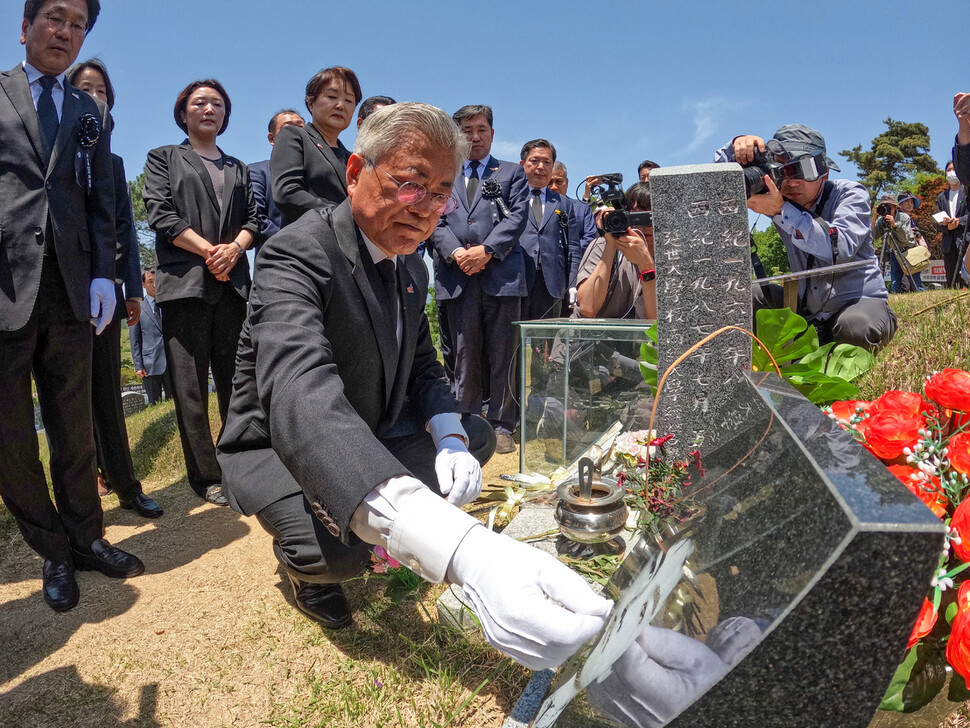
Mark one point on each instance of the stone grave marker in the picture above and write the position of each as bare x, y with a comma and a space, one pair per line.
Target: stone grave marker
132, 402
804, 545
703, 283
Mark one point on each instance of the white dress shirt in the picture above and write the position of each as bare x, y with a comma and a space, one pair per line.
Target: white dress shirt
57, 91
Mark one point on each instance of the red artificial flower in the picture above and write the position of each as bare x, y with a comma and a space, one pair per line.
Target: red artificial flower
849, 408
950, 389
961, 524
924, 623
895, 400
660, 441
958, 452
958, 646
890, 432
924, 487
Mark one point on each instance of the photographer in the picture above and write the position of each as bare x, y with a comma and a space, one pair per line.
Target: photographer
896, 230
822, 222
617, 276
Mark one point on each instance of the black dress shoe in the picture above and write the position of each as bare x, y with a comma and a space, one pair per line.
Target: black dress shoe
325, 603
109, 560
142, 505
214, 495
60, 587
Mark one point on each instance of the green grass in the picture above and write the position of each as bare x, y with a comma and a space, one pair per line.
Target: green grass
926, 341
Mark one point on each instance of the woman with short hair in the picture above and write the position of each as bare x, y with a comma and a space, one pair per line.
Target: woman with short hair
200, 205
309, 164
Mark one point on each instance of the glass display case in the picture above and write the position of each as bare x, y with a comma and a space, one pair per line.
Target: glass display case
580, 381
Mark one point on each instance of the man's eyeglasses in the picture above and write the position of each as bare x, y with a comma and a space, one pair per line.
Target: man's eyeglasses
55, 22
412, 193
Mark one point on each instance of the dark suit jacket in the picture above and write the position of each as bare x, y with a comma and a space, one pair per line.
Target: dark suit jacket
316, 384
549, 245
127, 258
466, 227
147, 346
953, 238
270, 217
582, 227
33, 187
179, 195
307, 175
961, 163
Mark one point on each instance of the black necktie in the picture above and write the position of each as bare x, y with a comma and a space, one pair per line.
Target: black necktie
388, 273
537, 206
472, 182
47, 112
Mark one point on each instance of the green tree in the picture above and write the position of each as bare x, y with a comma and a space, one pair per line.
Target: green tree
146, 238
900, 152
771, 250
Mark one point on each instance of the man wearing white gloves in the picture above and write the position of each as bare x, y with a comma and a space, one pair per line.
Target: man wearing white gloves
342, 431
56, 275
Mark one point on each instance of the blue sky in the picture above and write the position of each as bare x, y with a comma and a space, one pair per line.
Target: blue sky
608, 83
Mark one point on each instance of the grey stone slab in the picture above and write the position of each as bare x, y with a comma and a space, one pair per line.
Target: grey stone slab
806, 536
703, 283
528, 703
132, 402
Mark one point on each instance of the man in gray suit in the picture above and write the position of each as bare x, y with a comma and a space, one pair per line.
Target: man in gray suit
56, 279
148, 346
342, 430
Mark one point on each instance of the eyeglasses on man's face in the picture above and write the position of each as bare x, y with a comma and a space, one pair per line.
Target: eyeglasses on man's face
56, 21
412, 193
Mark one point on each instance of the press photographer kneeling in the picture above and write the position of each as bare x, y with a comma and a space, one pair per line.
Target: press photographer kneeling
822, 222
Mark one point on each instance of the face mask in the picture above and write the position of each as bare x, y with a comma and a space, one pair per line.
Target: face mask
951, 177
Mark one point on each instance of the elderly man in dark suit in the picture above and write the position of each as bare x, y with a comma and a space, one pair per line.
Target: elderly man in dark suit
148, 345
479, 271
56, 275
270, 217
342, 429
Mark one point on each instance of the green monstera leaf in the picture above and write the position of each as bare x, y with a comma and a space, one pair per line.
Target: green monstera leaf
648, 359
821, 373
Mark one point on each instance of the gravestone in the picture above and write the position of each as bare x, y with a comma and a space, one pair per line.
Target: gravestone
800, 535
703, 265
132, 402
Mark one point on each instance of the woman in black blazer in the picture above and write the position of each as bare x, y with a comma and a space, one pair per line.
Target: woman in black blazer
309, 164
200, 205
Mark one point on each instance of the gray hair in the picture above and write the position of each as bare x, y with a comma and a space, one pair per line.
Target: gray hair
383, 132
560, 167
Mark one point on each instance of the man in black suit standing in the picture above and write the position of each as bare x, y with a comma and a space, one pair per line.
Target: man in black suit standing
582, 227
342, 430
270, 218
479, 271
56, 279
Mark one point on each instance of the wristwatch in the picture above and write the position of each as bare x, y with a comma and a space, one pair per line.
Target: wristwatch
648, 275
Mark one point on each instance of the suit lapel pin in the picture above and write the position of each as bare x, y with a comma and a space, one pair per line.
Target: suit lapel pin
75, 96
410, 289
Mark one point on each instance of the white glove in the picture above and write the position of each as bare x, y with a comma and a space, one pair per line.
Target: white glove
102, 295
572, 297
531, 606
459, 473
663, 672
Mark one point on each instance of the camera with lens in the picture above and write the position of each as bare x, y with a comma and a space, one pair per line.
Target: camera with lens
884, 209
755, 171
610, 191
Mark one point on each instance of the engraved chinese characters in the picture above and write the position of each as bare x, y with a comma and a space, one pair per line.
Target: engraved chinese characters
703, 283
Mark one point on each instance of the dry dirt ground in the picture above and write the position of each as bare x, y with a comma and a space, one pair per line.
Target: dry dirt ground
208, 637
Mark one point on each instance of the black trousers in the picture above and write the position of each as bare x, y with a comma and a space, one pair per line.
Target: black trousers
56, 347
110, 431
952, 262
308, 552
199, 335
481, 328
154, 385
